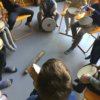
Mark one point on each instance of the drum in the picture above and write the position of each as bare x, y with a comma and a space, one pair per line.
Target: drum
34, 71
72, 10
48, 24
1, 43
2, 25
86, 21
89, 69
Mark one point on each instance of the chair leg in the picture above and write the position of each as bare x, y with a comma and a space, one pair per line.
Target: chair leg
89, 47
22, 36
18, 25
60, 27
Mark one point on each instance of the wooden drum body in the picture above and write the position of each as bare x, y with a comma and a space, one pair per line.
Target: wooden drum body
34, 71
89, 69
48, 24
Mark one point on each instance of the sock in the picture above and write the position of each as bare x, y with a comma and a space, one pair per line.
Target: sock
10, 69
69, 50
6, 83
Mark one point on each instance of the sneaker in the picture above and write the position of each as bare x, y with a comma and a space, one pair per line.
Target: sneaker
69, 51
88, 57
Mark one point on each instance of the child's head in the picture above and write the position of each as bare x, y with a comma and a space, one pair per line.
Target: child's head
54, 81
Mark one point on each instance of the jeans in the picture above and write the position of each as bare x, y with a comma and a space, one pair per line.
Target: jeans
13, 16
95, 53
2, 60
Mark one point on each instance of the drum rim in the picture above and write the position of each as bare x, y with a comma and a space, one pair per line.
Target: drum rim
70, 12
86, 66
45, 20
85, 24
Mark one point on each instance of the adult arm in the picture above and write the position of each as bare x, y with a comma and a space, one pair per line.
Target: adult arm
94, 82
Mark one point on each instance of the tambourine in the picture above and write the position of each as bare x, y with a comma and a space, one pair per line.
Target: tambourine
86, 21
89, 69
34, 71
72, 10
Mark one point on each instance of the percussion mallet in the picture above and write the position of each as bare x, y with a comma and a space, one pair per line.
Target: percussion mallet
35, 60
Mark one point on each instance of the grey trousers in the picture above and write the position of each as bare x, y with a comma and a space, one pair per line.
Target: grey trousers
39, 17
77, 37
67, 19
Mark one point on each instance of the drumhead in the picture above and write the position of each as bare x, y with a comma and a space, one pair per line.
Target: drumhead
72, 10
48, 24
2, 24
36, 68
1, 43
89, 69
85, 21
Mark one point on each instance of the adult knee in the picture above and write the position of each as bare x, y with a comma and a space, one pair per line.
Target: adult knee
31, 12
97, 50
96, 41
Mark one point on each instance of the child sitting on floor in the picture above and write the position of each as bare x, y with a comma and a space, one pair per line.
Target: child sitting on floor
53, 82
47, 8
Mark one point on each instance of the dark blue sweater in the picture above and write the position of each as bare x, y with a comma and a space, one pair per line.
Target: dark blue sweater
9, 6
96, 13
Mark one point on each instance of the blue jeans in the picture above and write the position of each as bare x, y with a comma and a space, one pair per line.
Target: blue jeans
95, 53
13, 16
2, 60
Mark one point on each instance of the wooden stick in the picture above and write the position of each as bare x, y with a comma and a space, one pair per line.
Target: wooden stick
35, 60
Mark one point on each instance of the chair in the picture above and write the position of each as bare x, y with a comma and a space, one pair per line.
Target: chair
19, 18
89, 95
82, 15
77, 18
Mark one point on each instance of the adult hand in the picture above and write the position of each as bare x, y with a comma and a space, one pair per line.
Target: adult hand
90, 8
78, 10
1, 17
42, 15
84, 78
97, 66
69, 2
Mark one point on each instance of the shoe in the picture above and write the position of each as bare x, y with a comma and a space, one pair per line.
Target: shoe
88, 57
69, 51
